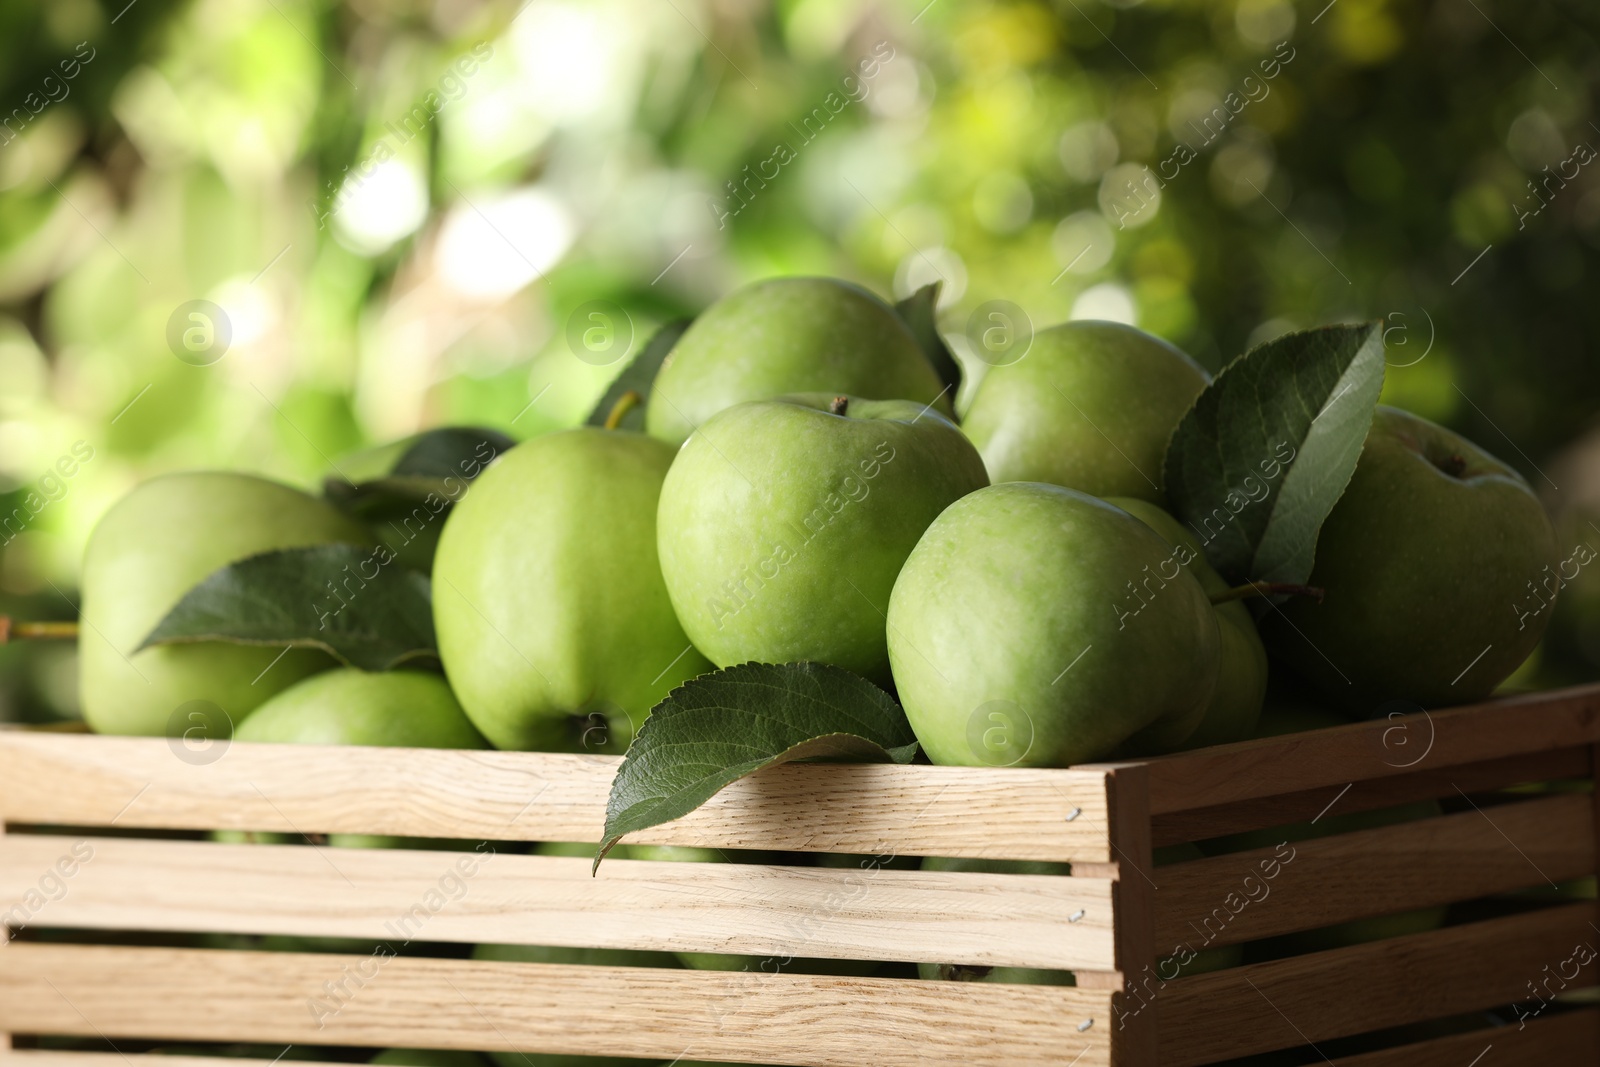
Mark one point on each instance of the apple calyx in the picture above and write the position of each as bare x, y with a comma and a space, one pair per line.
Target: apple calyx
838, 405
1263, 589
1455, 464
625, 403
11, 630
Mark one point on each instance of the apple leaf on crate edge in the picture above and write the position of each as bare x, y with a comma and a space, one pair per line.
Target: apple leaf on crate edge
638, 377
919, 311
438, 462
717, 728
1260, 460
286, 598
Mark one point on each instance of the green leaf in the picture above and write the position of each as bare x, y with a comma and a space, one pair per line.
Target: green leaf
380, 616
919, 311
638, 377
393, 478
403, 491
1259, 461
720, 727
451, 451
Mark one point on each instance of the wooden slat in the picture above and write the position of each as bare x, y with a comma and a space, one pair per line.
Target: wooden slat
5, 943
1594, 797
1255, 814
1227, 899
1553, 1041
498, 796
1285, 1003
34, 1057
1129, 795
1569, 1038
398, 895
1383, 748
803, 1020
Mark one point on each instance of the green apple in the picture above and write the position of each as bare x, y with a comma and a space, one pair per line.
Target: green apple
788, 335
1039, 626
1089, 407
590, 957
1242, 673
403, 490
783, 524
1438, 562
405, 709
553, 622
152, 547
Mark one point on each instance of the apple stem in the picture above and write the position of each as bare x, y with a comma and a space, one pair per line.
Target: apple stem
838, 405
625, 403
1263, 589
11, 630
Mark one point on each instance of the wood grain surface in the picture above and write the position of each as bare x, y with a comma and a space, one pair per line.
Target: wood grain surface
1010, 813
1286, 1003
1197, 824
801, 1020
1228, 899
1552, 1041
1382, 748
397, 896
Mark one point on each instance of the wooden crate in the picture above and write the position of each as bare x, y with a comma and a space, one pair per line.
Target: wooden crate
1109, 922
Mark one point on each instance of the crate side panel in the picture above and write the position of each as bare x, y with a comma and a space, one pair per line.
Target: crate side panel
5, 941
397, 896
1002, 813
1382, 748
1285, 1003
799, 1020
1572, 1038
1303, 885
1302, 806
33, 1057
1135, 889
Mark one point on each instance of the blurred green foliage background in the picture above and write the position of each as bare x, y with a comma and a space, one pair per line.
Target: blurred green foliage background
399, 205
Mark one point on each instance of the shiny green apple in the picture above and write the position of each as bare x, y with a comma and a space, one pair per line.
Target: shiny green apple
1439, 565
152, 547
783, 524
1090, 406
1235, 706
406, 709
553, 622
1039, 626
788, 335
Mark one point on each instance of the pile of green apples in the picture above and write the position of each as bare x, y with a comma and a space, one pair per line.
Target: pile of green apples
803, 490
